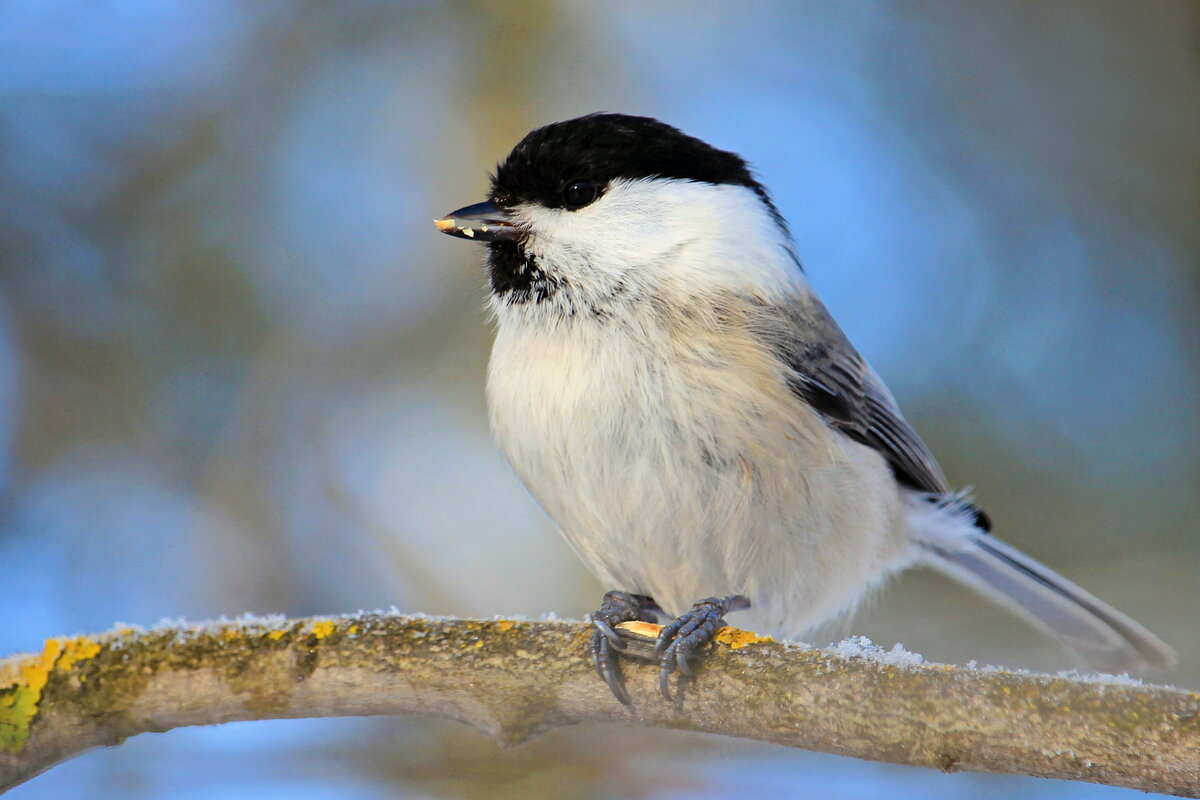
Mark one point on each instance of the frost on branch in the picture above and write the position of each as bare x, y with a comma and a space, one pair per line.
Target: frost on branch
516, 679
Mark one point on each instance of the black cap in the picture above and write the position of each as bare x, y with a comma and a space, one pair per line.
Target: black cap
602, 147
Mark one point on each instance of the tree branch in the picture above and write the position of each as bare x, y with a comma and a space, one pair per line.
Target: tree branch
515, 680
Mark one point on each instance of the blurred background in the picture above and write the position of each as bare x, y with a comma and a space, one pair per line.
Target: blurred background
240, 371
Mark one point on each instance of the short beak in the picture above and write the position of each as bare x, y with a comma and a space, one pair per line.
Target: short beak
483, 222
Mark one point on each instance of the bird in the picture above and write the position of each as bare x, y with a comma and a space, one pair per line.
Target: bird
672, 392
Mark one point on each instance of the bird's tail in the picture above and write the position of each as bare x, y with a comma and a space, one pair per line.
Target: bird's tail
949, 541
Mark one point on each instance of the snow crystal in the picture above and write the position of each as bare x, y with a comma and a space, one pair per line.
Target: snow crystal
1124, 679
862, 647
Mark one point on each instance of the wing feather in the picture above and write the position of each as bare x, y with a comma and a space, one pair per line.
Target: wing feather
828, 373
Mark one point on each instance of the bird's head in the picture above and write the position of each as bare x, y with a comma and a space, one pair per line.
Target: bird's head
611, 207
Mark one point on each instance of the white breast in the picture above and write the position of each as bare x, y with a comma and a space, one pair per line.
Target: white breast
677, 464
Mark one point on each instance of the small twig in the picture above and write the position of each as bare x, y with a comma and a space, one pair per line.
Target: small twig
516, 680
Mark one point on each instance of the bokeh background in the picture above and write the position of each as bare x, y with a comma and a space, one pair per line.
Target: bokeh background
241, 372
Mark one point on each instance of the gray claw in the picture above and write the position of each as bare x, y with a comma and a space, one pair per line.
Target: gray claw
664, 677
681, 663
606, 643
611, 636
680, 638
604, 661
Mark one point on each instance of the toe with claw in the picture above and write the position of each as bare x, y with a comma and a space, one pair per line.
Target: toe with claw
682, 637
616, 608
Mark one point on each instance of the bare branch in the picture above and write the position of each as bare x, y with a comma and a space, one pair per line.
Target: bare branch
516, 680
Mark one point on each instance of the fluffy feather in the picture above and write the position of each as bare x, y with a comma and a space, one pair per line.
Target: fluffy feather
671, 391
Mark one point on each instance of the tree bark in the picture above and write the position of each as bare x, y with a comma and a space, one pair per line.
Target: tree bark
515, 680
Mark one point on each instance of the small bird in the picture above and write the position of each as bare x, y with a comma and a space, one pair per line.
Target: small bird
675, 396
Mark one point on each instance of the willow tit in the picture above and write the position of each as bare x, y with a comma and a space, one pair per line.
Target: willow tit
674, 395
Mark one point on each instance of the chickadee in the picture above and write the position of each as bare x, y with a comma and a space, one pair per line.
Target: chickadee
672, 392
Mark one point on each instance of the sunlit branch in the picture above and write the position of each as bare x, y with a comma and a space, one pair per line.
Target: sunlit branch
516, 680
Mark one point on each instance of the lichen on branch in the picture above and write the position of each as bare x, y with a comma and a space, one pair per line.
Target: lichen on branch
516, 679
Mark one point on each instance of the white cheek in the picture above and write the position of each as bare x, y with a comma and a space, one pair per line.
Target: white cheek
670, 235
617, 236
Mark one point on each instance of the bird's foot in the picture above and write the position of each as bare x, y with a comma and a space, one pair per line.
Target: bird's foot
617, 607
681, 638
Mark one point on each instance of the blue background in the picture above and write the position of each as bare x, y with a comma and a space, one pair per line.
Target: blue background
241, 372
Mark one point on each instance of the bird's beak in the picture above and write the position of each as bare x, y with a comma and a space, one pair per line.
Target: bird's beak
483, 222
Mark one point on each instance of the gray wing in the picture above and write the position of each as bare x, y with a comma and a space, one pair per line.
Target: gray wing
825, 370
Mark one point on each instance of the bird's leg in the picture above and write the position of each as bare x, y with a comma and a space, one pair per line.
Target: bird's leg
679, 639
616, 607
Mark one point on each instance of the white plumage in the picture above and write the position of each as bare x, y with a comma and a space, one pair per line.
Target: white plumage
680, 403
661, 436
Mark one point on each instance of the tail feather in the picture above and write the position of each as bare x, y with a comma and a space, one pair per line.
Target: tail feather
1107, 639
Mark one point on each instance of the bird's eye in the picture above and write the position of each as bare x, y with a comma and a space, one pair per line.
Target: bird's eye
578, 194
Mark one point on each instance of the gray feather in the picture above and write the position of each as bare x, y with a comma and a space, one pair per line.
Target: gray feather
831, 377
1106, 638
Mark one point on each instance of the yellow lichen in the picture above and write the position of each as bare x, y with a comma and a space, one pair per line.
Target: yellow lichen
81, 648
21, 686
323, 628
275, 636
353, 630
504, 625
36, 671
737, 638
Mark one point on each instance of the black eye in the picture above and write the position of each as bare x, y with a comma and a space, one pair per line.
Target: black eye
578, 194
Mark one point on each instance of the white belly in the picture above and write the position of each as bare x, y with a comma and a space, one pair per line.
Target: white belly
694, 474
